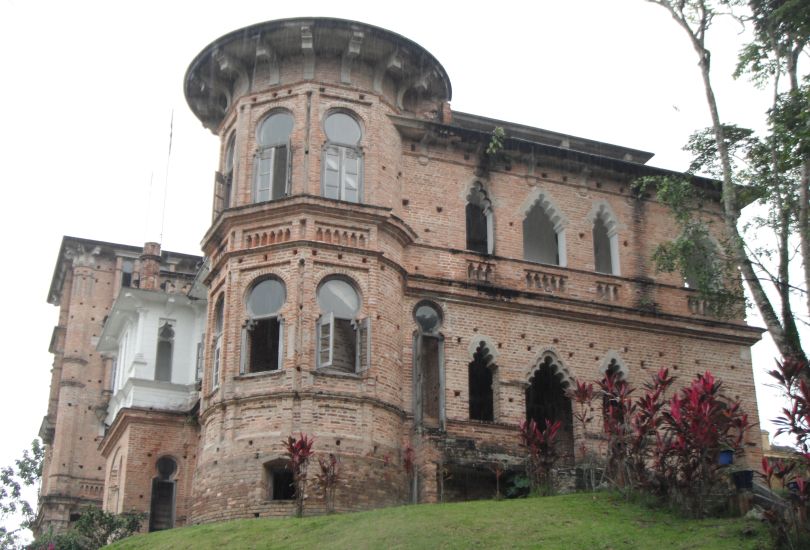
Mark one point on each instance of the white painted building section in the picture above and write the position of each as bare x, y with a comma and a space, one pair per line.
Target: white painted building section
137, 322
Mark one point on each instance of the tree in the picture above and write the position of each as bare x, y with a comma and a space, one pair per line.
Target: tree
26, 472
774, 168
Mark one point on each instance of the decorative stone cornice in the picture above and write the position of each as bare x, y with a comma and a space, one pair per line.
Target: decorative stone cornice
248, 60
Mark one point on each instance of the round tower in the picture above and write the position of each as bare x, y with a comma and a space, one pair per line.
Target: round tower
306, 256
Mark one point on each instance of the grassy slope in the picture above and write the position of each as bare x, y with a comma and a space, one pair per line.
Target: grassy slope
569, 521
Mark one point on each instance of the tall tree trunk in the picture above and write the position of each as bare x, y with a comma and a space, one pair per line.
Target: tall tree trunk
786, 347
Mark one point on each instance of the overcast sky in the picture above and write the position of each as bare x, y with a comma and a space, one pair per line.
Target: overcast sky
88, 90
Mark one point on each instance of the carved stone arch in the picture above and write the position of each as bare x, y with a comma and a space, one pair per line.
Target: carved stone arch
540, 197
550, 357
539, 243
487, 342
478, 194
602, 209
612, 357
606, 229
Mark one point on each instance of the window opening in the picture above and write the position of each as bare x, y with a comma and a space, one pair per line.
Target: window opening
227, 190
126, 273
603, 260
480, 384
262, 336
165, 350
163, 487
478, 215
546, 399
279, 482
429, 367
219, 311
273, 157
343, 340
540, 239
342, 158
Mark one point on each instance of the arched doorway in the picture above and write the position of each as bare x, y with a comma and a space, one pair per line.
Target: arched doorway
546, 399
161, 513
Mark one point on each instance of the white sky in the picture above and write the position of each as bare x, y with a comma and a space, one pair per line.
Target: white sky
88, 90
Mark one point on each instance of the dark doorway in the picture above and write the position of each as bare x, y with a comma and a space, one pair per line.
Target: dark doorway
480, 385
161, 515
546, 400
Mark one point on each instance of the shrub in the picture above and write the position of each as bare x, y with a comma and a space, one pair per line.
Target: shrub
541, 453
299, 452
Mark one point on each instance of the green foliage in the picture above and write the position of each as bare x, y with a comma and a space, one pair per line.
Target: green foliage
26, 472
704, 266
496, 142
94, 529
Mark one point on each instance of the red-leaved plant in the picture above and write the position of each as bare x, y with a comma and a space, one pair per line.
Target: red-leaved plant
792, 527
541, 453
298, 452
327, 478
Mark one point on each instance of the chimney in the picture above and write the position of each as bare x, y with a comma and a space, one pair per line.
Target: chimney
446, 114
150, 266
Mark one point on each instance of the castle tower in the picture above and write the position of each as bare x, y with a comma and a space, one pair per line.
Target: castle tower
385, 274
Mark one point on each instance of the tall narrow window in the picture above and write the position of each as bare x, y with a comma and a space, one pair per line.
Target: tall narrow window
615, 372
219, 312
227, 186
541, 242
272, 167
478, 214
546, 400
262, 333
344, 340
165, 351
126, 273
342, 158
603, 260
428, 367
161, 514
480, 375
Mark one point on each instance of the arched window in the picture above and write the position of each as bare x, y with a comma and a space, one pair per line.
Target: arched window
262, 334
219, 312
161, 514
700, 262
428, 366
342, 158
343, 340
546, 399
227, 176
272, 179
165, 351
478, 215
605, 239
543, 233
480, 373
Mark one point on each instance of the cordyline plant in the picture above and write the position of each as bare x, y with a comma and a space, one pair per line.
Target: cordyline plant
327, 478
582, 395
541, 453
632, 430
792, 527
699, 424
299, 452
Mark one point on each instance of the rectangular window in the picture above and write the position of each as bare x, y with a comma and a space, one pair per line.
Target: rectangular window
279, 482
217, 360
262, 345
272, 173
342, 173
344, 345
200, 358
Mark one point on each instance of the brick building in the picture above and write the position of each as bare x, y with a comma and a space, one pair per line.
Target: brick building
372, 277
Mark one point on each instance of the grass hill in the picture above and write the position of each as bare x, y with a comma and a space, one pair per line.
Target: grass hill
592, 521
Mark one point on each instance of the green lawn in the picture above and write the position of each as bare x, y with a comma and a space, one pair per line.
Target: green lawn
590, 521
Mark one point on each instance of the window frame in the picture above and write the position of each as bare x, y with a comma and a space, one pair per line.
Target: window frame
250, 323
361, 326
265, 151
219, 329
418, 376
342, 149
172, 324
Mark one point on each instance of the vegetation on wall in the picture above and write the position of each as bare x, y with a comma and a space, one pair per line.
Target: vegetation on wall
774, 168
